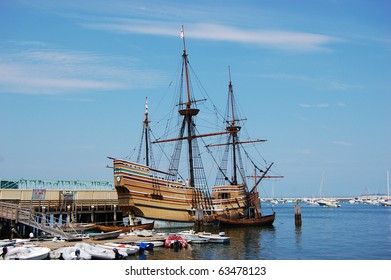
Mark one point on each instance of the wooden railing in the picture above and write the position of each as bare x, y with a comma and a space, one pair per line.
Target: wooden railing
60, 206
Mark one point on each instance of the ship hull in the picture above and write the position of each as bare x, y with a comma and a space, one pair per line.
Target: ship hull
170, 203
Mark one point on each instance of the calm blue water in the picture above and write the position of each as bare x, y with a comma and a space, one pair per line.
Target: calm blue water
351, 232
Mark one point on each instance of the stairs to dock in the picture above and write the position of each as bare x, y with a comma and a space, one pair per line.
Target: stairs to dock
34, 219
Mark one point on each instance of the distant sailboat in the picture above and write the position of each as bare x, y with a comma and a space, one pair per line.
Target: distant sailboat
324, 201
388, 201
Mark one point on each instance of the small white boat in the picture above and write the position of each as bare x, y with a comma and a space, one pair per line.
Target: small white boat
312, 202
144, 233
129, 249
191, 237
215, 238
329, 203
121, 250
7, 242
154, 243
97, 252
26, 253
75, 253
56, 254
385, 202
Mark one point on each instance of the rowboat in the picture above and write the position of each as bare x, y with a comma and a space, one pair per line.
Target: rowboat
215, 238
191, 237
106, 235
266, 220
147, 226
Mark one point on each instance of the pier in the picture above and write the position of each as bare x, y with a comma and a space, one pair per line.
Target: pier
37, 206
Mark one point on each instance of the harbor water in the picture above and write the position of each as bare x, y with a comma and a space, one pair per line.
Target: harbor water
350, 232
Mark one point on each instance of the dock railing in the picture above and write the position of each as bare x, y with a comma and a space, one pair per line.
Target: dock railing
37, 220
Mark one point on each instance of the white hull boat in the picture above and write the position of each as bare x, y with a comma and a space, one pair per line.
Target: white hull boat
27, 253
130, 249
193, 238
385, 202
122, 250
154, 243
97, 252
75, 253
215, 238
328, 203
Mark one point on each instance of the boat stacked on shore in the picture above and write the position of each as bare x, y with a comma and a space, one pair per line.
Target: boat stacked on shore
108, 249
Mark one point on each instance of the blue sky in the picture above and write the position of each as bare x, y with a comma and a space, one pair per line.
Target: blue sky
312, 77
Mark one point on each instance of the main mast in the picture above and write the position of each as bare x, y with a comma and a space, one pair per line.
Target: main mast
188, 113
187, 131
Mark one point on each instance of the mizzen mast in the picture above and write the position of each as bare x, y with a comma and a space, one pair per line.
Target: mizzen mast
146, 133
233, 129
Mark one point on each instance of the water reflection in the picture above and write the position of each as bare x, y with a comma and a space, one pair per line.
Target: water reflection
298, 237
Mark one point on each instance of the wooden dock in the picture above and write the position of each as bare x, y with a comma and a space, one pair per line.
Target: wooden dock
21, 208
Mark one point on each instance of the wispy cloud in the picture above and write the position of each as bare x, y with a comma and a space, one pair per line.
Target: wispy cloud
322, 105
341, 104
320, 83
281, 39
42, 69
341, 143
206, 21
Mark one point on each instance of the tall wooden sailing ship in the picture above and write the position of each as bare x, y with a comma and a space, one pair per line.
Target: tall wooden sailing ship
148, 194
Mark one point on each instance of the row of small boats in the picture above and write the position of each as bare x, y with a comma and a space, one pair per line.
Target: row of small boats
13, 250
184, 238
78, 251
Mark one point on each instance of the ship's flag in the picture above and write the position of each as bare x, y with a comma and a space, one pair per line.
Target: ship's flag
182, 33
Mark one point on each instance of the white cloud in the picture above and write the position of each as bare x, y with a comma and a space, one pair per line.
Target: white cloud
42, 69
217, 32
342, 143
322, 105
341, 104
320, 83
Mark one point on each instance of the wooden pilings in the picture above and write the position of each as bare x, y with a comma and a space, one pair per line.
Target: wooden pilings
297, 214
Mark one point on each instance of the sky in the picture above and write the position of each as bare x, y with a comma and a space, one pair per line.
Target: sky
312, 77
